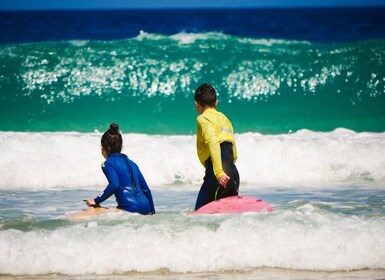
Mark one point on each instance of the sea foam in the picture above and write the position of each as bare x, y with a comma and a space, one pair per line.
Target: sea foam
72, 160
301, 238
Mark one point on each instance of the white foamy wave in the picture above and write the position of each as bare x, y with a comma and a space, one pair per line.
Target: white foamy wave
182, 37
79, 43
190, 38
303, 238
307, 158
72, 160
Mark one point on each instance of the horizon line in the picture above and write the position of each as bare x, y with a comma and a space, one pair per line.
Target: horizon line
25, 9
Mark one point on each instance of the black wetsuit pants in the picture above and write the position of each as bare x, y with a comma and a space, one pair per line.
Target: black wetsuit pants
211, 190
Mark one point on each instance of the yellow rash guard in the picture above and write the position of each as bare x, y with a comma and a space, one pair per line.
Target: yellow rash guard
213, 128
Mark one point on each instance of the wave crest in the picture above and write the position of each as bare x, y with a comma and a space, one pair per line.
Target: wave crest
72, 160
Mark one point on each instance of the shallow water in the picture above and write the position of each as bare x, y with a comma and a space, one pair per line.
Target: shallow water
325, 230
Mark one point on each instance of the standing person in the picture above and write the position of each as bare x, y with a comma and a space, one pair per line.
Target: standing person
125, 180
216, 148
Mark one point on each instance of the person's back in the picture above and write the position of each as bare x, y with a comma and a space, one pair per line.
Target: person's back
128, 185
223, 132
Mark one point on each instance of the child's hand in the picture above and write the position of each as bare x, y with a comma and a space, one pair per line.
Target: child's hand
90, 202
223, 180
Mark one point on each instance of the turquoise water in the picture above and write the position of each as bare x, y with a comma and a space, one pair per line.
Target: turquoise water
146, 84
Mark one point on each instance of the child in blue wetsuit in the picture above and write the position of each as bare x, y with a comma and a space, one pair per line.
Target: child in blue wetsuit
125, 180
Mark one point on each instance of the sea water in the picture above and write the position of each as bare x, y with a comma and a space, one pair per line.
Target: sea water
326, 189
308, 112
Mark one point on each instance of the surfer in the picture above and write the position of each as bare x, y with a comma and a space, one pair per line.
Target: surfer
216, 148
125, 180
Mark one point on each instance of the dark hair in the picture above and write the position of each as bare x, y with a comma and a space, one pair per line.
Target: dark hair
112, 140
205, 95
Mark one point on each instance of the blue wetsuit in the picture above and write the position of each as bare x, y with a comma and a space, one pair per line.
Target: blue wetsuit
127, 183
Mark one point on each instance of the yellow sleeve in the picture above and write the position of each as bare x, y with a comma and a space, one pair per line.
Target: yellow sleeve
211, 140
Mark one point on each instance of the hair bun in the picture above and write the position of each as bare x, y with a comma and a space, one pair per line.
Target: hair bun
114, 128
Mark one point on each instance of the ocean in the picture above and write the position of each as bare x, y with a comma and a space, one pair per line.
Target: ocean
304, 89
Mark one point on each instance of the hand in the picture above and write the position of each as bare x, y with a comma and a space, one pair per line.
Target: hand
90, 202
223, 180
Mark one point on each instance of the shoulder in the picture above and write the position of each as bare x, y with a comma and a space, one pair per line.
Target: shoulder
222, 117
220, 114
133, 164
204, 120
112, 160
125, 158
207, 115
107, 163
201, 118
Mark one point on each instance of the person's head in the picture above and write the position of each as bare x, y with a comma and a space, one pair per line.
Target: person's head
111, 141
205, 96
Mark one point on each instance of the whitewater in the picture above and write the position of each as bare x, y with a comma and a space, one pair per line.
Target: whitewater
32, 160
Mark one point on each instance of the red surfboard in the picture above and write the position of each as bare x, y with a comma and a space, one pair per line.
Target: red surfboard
234, 204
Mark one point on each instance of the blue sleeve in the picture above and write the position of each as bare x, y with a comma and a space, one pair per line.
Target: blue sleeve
146, 191
113, 183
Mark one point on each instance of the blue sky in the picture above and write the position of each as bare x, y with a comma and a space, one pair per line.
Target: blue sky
155, 4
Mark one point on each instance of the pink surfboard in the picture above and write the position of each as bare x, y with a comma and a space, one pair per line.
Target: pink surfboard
234, 204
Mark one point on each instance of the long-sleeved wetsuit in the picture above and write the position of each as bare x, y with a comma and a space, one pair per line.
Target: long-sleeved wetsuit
217, 152
127, 183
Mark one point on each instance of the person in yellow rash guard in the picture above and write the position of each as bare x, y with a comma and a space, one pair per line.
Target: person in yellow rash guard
216, 149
